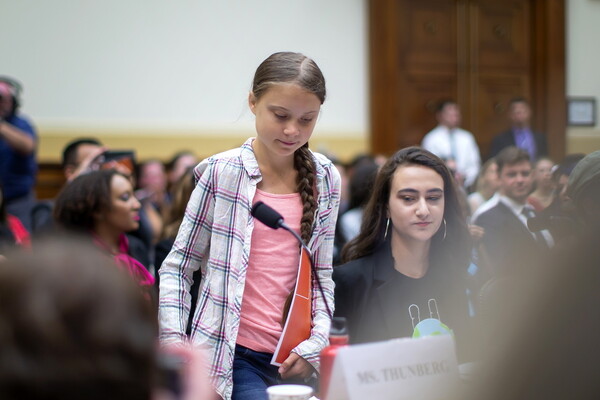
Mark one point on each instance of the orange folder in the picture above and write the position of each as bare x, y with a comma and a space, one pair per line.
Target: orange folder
299, 319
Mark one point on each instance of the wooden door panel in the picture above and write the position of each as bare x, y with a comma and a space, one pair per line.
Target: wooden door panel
420, 94
502, 34
479, 52
428, 36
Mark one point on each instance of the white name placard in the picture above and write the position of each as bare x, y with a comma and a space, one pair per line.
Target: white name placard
424, 369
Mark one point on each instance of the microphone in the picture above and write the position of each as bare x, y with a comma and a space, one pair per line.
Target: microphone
267, 215
274, 220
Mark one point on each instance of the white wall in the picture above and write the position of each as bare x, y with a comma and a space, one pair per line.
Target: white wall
187, 64
583, 54
182, 63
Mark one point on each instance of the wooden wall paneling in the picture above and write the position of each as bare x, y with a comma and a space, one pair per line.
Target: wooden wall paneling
480, 52
50, 179
383, 55
501, 53
429, 43
419, 100
550, 87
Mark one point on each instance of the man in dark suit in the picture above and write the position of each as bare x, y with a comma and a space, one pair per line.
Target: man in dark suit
510, 246
520, 135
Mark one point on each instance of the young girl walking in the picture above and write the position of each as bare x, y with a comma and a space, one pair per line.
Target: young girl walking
248, 270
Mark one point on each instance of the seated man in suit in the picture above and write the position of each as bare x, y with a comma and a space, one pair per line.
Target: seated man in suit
520, 134
510, 246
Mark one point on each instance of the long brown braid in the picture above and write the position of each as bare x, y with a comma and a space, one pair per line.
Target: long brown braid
305, 165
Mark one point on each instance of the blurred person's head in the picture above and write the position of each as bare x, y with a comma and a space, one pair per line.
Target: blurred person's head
519, 112
98, 201
152, 176
181, 192
10, 93
453, 168
72, 326
434, 216
344, 183
542, 173
488, 181
448, 114
75, 152
361, 183
178, 165
514, 173
561, 174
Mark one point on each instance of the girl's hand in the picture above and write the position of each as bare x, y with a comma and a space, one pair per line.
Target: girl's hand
295, 367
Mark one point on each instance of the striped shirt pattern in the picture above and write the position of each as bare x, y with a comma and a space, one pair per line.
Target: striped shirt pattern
215, 236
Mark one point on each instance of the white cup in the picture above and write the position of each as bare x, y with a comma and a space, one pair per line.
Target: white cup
289, 392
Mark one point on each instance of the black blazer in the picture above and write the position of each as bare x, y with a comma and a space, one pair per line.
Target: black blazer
510, 247
507, 138
374, 297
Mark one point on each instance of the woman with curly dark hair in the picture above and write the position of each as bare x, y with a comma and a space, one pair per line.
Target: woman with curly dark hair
101, 204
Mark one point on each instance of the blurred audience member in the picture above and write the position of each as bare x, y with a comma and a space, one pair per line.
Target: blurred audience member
520, 133
78, 155
152, 185
544, 185
344, 189
511, 247
557, 357
361, 185
101, 204
561, 174
12, 231
182, 189
449, 142
18, 141
178, 165
487, 184
556, 217
412, 253
73, 327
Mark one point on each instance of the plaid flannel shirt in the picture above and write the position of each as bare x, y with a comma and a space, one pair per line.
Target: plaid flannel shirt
215, 236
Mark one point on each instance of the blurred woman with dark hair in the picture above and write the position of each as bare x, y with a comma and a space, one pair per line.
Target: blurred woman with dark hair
101, 204
413, 250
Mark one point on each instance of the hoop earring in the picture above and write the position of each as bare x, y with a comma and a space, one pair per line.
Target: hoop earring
387, 227
444, 238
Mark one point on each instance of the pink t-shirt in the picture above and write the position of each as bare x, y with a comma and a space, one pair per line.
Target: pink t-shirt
271, 275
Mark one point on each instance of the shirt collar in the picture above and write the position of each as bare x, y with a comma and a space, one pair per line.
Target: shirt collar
515, 207
249, 159
251, 164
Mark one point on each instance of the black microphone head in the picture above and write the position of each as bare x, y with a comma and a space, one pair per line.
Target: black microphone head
266, 215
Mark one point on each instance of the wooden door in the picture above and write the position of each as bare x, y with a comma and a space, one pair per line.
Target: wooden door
481, 53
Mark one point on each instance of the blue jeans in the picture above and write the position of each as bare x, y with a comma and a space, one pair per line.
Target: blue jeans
252, 374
